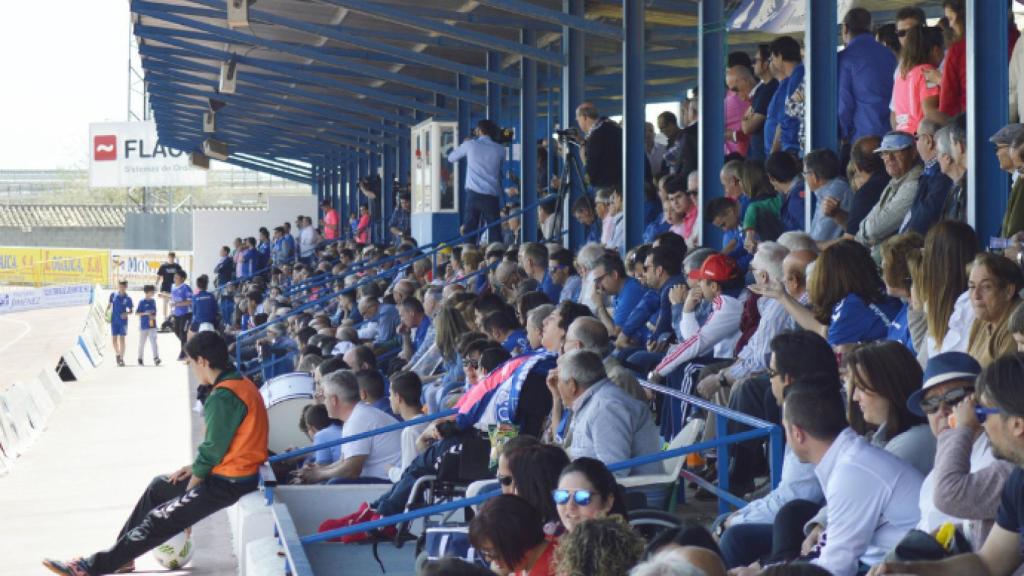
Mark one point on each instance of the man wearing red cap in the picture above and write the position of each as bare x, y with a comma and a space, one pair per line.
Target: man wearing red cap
722, 326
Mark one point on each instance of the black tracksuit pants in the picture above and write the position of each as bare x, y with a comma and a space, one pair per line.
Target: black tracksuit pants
164, 510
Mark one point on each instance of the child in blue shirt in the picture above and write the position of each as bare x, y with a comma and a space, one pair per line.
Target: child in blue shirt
119, 307
147, 328
181, 299
724, 214
204, 306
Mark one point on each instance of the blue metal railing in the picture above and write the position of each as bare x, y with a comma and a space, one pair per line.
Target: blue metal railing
247, 335
761, 429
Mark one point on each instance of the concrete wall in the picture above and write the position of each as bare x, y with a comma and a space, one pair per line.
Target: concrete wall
152, 232
213, 229
65, 237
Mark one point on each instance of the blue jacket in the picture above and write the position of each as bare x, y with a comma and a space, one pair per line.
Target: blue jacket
932, 189
664, 323
204, 308
866, 71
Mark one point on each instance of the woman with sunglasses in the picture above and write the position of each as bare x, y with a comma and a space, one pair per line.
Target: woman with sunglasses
509, 534
586, 490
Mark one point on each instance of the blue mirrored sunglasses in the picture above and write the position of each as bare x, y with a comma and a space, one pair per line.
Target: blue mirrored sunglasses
982, 413
581, 497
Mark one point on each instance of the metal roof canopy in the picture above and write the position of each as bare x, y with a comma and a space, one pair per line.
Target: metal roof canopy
354, 74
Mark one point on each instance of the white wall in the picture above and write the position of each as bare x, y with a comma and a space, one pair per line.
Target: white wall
215, 228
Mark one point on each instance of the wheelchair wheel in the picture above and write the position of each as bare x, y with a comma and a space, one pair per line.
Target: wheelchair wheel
649, 522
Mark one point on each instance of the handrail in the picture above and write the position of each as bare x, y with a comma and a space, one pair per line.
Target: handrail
428, 250
361, 436
761, 428
243, 336
242, 279
465, 502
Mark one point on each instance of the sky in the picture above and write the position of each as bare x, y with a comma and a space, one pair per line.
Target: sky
65, 64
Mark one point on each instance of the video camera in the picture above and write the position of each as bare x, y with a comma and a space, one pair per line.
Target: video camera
571, 135
505, 135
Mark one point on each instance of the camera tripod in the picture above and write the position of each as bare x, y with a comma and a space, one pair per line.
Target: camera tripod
571, 166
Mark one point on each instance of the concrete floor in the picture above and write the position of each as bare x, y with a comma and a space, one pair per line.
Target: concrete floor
114, 430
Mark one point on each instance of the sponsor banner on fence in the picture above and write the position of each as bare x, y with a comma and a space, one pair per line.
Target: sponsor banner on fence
41, 266
139, 267
124, 154
48, 297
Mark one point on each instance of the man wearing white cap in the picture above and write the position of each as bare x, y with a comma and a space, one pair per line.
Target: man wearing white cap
904, 166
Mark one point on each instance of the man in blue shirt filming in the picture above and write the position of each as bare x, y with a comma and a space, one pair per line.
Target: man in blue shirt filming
483, 178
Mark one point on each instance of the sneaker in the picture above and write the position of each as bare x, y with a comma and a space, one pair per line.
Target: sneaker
126, 569
76, 567
141, 363
156, 361
120, 361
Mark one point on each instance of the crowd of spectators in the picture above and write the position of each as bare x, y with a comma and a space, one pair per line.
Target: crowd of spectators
877, 335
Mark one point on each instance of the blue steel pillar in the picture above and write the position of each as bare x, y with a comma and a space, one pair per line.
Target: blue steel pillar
987, 86
712, 110
821, 81
633, 105
353, 188
404, 156
388, 189
464, 110
342, 194
573, 92
494, 89
528, 137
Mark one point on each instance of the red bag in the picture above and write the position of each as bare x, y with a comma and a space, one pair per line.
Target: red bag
364, 514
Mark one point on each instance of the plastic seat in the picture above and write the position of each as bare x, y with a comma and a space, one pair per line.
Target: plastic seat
671, 467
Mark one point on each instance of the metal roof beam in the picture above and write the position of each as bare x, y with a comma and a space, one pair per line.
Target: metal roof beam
556, 17
299, 92
407, 56
237, 139
650, 56
286, 73
158, 11
275, 104
223, 121
480, 39
474, 18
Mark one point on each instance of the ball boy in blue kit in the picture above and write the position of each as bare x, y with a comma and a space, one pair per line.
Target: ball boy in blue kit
204, 307
146, 311
119, 307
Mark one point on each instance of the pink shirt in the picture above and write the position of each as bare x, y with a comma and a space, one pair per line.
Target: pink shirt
685, 228
607, 229
907, 94
735, 109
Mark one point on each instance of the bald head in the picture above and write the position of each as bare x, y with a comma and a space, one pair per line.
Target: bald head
589, 332
586, 116
794, 271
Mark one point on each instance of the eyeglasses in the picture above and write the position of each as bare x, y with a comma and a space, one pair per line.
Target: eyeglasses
598, 279
581, 497
505, 481
471, 363
951, 398
982, 413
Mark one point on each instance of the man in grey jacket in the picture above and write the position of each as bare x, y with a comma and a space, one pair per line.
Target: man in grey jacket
904, 166
607, 423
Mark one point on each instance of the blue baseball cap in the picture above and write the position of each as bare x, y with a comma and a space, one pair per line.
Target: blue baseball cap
894, 141
943, 368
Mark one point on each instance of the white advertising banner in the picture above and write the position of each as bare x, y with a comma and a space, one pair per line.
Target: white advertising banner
125, 154
48, 297
139, 267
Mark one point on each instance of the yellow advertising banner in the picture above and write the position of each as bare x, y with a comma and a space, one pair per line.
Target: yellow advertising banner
43, 266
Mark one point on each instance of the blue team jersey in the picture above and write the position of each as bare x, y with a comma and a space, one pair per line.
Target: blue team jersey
204, 308
249, 258
181, 294
147, 305
120, 304
855, 321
